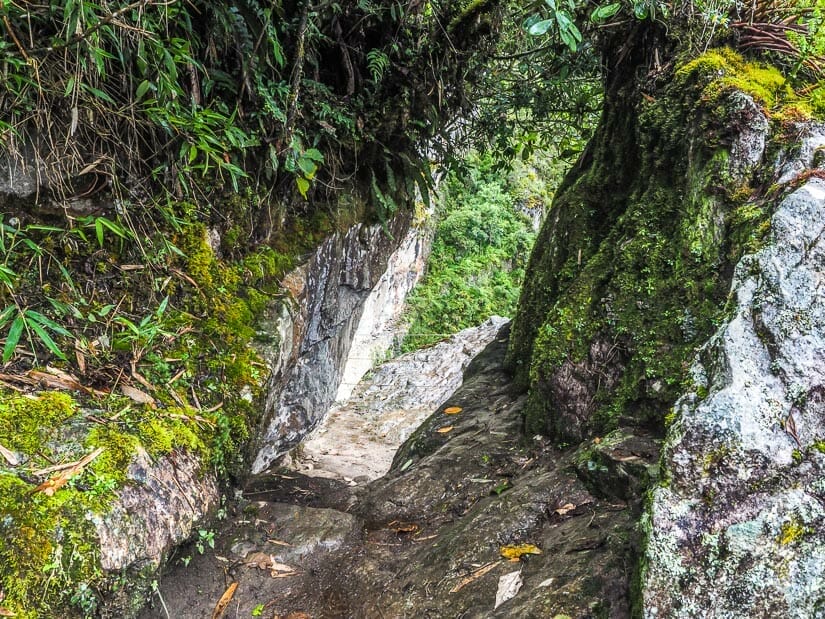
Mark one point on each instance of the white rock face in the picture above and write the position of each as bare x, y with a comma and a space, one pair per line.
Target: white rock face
358, 439
379, 324
313, 330
738, 529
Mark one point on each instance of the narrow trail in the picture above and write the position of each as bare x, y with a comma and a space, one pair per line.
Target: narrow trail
426, 538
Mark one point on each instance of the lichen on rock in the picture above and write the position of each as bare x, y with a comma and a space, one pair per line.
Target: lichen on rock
739, 525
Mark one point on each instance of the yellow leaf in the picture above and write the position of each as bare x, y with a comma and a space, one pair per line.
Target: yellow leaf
445, 429
567, 507
516, 551
453, 410
220, 607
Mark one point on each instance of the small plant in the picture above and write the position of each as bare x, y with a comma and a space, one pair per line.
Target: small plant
85, 599
377, 62
205, 538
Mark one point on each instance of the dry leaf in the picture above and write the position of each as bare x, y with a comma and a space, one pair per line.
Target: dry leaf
9, 456
135, 394
278, 542
564, 509
264, 561
298, 615
5, 612
220, 607
516, 551
597, 440
508, 586
445, 429
453, 410
53, 484
403, 527
473, 576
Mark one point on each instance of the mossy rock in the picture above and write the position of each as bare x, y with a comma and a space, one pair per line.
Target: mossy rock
632, 268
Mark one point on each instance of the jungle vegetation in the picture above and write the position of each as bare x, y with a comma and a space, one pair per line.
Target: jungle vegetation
179, 157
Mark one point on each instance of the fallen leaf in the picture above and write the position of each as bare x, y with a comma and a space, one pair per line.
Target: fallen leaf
508, 587
54, 483
403, 527
5, 612
597, 440
545, 583
264, 561
220, 607
9, 456
298, 615
516, 551
445, 429
136, 395
473, 576
564, 509
453, 410
278, 542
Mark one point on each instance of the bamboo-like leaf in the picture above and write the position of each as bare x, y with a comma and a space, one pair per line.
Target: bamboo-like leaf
6, 315
13, 337
46, 322
47, 340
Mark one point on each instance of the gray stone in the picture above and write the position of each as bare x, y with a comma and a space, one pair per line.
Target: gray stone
739, 526
328, 296
155, 511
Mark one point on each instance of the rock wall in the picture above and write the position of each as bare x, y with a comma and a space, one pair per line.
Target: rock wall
319, 322
739, 525
380, 323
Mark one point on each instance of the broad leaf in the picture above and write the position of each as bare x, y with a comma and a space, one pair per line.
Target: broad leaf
541, 27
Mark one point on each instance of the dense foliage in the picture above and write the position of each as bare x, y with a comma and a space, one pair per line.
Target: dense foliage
482, 240
194, 97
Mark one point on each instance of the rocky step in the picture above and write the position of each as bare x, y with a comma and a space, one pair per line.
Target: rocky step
473, 520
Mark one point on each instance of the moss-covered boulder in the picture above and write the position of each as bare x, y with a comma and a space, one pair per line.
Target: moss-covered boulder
738, 524
632, 267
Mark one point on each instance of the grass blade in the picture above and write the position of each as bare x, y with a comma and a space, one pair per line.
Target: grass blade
13, 337
47, 340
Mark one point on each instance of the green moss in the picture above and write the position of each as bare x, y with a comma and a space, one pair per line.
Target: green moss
28, 422
791, 531
48, 546
819, 445
722, 70
637, 251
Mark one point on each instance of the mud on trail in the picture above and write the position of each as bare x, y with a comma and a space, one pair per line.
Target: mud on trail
429, 538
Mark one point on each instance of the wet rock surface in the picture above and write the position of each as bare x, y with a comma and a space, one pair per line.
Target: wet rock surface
357, 439
425, 540
739, 525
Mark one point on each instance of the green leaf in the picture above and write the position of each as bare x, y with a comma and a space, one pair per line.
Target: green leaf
314, 154
6, 315
142, 89
308, 167
541, 27
303, 186
98, 93
605, 12
99, 231
46, 322
47, 340
13, 337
